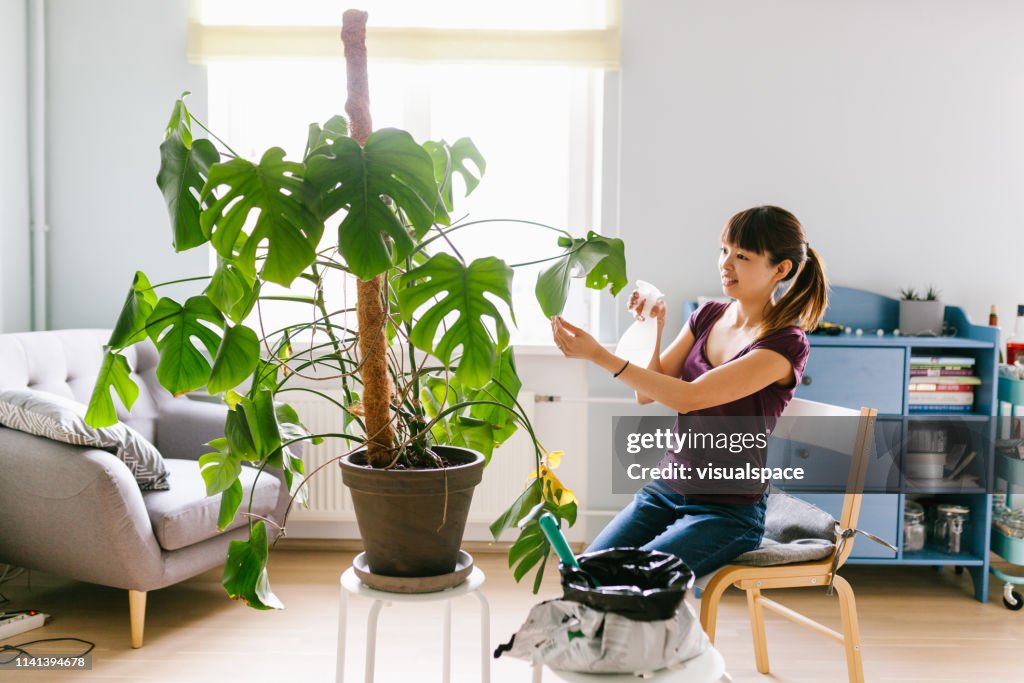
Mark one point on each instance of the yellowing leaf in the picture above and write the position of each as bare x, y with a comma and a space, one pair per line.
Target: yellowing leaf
551, 482
554, 459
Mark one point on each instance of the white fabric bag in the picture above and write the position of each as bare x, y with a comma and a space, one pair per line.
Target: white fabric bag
571, 636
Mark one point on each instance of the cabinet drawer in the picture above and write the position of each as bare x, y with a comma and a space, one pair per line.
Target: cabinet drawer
878, 515
855, 378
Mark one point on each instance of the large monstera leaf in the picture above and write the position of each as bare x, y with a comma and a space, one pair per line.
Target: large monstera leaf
391, 171
459, 289
173, 327
600, 259
287, 221
184, 166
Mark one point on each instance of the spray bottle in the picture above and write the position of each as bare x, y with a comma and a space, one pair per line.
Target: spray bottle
637, 344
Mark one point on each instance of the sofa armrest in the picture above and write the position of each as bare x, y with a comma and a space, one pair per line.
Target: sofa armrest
74, 511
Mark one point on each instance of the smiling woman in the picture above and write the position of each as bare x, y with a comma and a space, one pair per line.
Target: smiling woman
738, 359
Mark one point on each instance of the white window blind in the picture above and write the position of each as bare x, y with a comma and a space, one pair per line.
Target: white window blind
565, 32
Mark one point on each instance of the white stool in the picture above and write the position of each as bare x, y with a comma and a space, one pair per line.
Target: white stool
350, 583
708, 667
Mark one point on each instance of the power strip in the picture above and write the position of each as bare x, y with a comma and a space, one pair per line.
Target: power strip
19, 623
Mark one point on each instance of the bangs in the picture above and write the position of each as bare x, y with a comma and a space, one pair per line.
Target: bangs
765, 230
749, 230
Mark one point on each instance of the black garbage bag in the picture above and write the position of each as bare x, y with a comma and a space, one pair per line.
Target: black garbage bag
642, 585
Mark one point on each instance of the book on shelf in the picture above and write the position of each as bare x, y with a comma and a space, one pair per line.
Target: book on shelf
940, 371
945, 398
961, 361
959, 379
933, 387
939, 408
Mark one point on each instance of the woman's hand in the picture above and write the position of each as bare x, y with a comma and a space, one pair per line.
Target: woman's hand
572, 341
636, 305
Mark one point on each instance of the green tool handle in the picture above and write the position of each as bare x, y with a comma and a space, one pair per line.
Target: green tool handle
549, 525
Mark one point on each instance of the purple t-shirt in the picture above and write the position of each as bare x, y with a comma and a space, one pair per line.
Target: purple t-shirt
769, 402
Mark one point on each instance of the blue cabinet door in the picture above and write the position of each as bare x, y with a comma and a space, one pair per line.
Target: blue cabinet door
855, 377
878, 515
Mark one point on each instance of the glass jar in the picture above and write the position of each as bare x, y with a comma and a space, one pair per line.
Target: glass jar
951, 533
913, 526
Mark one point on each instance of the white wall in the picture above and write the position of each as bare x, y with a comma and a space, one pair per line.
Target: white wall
115, 68
893, 130
14, 213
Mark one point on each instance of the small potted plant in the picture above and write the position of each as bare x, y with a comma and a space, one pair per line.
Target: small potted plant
428, 377
921, 314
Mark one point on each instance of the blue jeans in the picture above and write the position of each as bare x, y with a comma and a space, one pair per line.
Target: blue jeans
705, 536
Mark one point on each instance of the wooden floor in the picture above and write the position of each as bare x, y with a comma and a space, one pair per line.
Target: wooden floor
917, 624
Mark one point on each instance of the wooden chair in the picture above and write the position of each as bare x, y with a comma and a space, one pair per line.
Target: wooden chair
753, 580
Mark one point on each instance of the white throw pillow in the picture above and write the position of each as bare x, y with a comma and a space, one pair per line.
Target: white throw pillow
62, 419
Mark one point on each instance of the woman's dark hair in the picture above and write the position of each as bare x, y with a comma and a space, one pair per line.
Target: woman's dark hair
777, 233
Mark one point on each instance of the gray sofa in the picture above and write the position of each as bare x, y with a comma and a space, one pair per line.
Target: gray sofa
78, 512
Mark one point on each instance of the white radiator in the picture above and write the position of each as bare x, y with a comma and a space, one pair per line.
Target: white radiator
505, 475
329, 501
328, 498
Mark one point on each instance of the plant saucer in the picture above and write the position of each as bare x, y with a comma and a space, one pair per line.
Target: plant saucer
414, 584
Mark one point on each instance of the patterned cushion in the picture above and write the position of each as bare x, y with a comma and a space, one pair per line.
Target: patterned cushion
62, 419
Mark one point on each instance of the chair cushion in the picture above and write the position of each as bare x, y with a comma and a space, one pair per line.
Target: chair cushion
794, 531
186, 515
63, 419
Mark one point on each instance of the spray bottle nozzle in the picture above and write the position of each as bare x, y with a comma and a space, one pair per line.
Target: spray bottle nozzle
647, 294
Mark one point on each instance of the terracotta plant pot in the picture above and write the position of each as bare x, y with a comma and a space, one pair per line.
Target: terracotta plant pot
921, 317
412, 521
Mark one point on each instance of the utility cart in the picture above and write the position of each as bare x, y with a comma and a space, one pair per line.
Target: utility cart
1007, 522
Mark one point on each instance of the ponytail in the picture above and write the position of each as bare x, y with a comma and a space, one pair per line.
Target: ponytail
804, 302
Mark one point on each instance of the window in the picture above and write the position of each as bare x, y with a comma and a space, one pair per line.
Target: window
536, 121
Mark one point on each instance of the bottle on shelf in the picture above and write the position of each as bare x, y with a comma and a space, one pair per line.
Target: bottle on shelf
1015, 344
993, 321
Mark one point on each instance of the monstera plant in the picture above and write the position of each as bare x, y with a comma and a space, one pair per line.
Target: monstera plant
428, 363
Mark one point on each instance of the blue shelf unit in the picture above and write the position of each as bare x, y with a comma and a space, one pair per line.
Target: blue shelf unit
873, 370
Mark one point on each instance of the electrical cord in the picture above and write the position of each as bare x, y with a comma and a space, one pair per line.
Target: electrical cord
18, 649
10, 572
